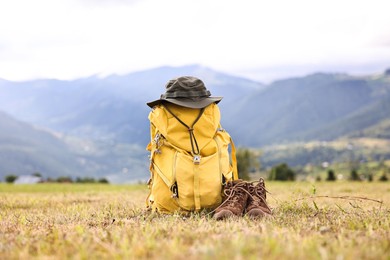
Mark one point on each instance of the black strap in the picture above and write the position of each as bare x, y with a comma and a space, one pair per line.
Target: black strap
194, 143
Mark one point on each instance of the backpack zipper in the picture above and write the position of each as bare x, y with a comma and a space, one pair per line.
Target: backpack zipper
174, 189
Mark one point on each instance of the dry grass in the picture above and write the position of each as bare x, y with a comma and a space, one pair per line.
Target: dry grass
109, 222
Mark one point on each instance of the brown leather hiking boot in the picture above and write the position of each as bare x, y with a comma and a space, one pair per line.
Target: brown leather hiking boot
234, 203
257, 205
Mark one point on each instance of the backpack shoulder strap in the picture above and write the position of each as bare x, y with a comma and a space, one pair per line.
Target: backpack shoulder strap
234, 160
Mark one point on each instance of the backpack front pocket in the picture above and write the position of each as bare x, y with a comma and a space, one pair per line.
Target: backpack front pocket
163, 179
199, 183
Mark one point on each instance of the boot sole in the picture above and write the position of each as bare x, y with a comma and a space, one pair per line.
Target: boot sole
224, 214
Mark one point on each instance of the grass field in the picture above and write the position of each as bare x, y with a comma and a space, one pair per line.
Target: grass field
311, 221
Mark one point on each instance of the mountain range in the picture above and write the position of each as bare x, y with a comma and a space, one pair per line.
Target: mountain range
98, 126
316, 107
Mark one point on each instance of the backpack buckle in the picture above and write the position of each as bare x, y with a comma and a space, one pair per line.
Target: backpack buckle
196, 159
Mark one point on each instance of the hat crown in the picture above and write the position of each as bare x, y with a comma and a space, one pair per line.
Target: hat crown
186, 87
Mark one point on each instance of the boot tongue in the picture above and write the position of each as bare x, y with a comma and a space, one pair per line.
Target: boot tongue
231, 184
261, 187
260, 190
236, 181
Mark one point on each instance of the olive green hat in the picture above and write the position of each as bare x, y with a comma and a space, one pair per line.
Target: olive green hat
186, 91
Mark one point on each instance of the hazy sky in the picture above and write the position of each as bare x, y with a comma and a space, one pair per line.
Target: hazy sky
253, 38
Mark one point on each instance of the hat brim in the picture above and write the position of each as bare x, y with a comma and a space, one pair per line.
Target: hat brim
187, 102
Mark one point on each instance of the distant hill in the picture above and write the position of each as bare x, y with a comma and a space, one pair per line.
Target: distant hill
314, 153
24, 149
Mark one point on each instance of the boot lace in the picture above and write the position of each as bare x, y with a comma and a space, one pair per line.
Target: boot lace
258, 193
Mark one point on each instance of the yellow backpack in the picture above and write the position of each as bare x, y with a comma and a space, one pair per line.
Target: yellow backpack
189, 160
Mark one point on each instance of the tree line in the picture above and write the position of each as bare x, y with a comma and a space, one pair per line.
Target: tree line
11, 178
248, 162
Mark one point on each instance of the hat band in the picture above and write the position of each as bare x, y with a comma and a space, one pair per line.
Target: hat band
187, 94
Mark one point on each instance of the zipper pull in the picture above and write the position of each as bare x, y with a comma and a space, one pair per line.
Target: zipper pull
196, 159
157, 139
175, 191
